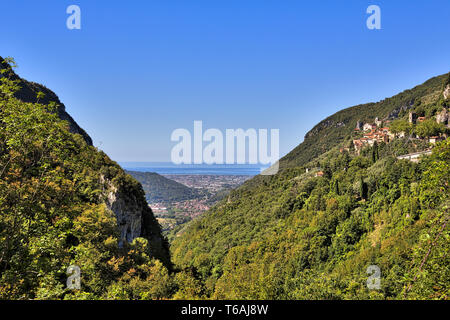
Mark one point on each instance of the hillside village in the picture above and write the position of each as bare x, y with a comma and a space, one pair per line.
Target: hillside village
332, 210
379, 131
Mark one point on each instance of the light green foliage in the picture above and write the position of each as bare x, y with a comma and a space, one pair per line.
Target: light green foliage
52, 213
400, 125
293, 235
289, 238
429, 128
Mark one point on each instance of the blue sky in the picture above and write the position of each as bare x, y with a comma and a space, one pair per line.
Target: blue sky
137, 70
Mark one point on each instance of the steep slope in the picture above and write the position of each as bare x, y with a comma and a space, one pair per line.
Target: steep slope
134, 217
28, 92
339, 127
160, 189
63, 202
299, 235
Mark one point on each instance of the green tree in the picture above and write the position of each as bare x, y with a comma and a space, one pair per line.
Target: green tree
400, 125
362, 188
429, 128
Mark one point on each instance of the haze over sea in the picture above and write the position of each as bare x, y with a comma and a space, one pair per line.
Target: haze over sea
200, 169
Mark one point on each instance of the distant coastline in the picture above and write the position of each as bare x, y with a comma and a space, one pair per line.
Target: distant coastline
193, 169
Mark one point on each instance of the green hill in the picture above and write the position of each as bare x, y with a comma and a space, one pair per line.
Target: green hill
28, 92
63, 202
339, 127
296, 235
160, 189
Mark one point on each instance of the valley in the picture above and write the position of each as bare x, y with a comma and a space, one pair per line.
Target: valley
367, 189
178, 198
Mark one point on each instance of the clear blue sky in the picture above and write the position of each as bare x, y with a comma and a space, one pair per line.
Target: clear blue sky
137, 70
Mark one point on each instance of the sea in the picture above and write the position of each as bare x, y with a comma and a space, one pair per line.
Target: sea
191, 169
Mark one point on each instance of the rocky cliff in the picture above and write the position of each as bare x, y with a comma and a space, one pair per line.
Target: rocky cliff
447, 92
134, 217
122, 194
28, 93
338, 127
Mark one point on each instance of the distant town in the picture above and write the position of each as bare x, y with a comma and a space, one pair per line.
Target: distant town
214, 187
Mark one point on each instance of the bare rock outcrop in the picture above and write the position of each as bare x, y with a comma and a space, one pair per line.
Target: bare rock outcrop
126, 199
442, 117
447, 92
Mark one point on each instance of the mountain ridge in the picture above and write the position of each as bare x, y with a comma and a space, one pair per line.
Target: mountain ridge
63, 202
311, 230
345, 120
161, 189
134, 216
29, 93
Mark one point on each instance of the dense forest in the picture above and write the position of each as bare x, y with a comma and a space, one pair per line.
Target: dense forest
297, 236
338, 128
300, 235
294, 235
55, 209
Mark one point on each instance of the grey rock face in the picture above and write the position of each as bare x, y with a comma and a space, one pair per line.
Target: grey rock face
359, 125
128, 214
447, 92
134, 217
442, 117
394, 113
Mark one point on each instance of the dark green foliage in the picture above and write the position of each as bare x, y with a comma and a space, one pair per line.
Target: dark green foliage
53, 186
362, 188
339, 127
297, 236
293, 235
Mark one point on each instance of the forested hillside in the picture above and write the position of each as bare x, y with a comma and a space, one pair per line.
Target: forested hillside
160, 189
33, 92
335, 210
339, 127
312, 230
63, 203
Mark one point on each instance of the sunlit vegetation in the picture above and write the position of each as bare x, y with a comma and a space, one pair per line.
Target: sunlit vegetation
294, 235
160, 189
52, 213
